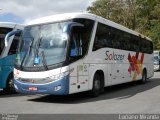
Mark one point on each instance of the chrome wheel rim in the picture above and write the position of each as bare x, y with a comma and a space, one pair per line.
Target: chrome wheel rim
10, 84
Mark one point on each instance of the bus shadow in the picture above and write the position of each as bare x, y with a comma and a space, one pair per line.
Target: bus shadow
5, 95
122, 91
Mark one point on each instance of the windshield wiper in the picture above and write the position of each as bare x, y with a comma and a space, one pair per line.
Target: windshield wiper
44, 60
38, 45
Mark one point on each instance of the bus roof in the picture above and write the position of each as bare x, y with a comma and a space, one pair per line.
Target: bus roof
67, 16
11, 25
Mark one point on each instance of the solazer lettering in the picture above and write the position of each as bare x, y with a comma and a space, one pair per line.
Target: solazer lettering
113, 56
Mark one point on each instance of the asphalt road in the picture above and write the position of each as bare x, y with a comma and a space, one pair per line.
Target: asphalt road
125, 98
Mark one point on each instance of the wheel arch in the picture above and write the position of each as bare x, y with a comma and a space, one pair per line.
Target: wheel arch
6, 75
101, 72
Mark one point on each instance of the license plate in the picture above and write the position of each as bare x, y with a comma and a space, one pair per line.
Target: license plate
31, 88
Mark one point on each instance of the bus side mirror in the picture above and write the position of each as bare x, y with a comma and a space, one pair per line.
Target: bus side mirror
9, 35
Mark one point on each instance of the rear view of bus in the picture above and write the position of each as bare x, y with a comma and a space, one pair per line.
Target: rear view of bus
156, 60
7, 55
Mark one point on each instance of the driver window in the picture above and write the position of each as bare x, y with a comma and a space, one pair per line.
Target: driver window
76, 43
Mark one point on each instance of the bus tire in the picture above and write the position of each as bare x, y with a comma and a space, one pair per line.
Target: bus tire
97, 84
9, 86
144, 76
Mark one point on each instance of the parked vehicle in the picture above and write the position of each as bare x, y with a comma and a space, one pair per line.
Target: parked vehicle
156, 60
8, 55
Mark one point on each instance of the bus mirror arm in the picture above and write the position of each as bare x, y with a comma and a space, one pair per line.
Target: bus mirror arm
9, 35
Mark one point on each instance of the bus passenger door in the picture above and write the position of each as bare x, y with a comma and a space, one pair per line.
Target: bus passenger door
3, 53
11, 49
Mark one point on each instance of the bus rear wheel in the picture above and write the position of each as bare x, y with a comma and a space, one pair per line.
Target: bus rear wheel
144, 76
9, 86
97, 84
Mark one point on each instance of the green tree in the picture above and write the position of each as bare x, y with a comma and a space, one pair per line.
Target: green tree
102, 8
155, 26
120, 11
140, 15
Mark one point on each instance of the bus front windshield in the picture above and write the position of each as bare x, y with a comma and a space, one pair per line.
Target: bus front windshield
42, 46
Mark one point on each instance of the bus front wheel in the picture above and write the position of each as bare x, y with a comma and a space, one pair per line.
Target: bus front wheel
9, 86
96, 90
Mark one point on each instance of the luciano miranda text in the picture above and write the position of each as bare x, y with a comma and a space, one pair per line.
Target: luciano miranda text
139, 117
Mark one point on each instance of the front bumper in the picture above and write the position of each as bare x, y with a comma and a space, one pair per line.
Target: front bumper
58, 87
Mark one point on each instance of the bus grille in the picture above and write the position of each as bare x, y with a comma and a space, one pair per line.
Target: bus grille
35, 81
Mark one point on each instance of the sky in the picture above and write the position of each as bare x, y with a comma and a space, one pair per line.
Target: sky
22, 11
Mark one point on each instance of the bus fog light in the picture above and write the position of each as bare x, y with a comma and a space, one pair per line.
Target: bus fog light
56, 88
15, 86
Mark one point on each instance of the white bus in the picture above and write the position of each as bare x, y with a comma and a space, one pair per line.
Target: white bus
75, 52
156, 60
8, 55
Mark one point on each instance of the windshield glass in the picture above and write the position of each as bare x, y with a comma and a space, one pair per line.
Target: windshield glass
3, 32
42, 46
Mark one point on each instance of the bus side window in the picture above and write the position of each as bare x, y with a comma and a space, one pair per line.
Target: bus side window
1, 44
14, 44
103, 37
3, 32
